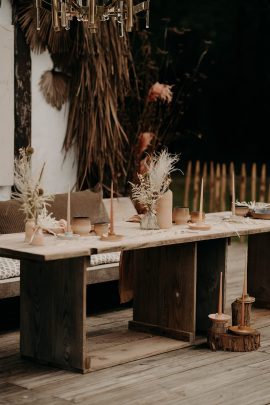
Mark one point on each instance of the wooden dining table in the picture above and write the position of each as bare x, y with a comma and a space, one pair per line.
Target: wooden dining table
176, 283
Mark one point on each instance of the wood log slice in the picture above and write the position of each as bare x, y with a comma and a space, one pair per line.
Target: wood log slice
232, 342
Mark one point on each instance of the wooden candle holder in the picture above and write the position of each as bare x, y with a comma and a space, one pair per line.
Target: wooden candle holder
237, 308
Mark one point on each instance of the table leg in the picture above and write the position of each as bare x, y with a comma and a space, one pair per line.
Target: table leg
211, 260
53, 312
164, 291
259, 268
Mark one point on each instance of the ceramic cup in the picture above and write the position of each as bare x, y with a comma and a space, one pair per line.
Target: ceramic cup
195, 216
101, 228
81, 225
181, 215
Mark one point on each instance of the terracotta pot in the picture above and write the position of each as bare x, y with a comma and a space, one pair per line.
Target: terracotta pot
181, 215
101, 228
81, 225
29, 230
164, 210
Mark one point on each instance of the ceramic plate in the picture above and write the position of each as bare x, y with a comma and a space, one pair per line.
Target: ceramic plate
66, 237
259, 215
199, 227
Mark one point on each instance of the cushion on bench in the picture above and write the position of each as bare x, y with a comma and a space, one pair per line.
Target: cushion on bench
104, 258
10, 268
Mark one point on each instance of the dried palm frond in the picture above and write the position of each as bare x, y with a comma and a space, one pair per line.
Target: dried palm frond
46, 37
55, 88
100, 82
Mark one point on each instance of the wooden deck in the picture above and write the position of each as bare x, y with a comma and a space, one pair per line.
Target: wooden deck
181, 375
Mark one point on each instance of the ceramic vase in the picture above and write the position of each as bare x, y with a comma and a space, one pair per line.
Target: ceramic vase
38, 237
164, 210
29, 230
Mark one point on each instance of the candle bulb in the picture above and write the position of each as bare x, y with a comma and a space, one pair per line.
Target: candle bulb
112, 212
201, 203
233, 192
220, 295
68, 210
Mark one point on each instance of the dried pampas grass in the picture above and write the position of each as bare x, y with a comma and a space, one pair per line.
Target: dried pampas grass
55, 88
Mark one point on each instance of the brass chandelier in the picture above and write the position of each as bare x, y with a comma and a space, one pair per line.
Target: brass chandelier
92, 11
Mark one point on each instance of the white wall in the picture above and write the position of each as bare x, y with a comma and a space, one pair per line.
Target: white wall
6, 100
48, 127
48, 131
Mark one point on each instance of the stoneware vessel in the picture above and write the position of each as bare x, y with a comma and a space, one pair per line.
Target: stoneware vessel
29, 230
38, 237
101, 228
195, 216
81, 225
241, 210
181, 215
164, 210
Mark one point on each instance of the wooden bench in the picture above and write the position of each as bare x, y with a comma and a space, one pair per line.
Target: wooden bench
102, 273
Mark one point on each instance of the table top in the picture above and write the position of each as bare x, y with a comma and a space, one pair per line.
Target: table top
13, 245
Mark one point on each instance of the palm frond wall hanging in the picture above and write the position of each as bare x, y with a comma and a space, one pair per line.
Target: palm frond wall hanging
92, 71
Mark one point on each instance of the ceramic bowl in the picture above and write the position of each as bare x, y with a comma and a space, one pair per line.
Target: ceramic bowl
101, 228
195, 216
81, 225
241, 210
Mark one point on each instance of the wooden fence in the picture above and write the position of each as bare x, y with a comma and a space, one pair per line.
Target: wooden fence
251, 184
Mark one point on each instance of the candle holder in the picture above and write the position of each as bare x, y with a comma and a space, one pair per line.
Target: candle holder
111, 237
200, 224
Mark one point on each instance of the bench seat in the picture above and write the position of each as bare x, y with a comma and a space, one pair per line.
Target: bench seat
103, 268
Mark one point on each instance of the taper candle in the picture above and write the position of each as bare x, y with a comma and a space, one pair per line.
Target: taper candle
243, 311
68, 210
220, 295
112, 212
201, 203
233, 192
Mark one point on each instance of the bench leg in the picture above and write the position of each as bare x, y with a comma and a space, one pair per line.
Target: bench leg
53, 313
259, 268
164, 291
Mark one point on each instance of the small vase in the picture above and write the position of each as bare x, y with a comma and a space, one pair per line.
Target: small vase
29, 230
149, 220
164, 210
38, 237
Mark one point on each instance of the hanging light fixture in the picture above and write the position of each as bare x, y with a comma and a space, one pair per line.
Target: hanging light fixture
91, 11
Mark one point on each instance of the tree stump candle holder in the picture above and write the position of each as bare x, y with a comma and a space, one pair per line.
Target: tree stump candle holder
237, 308
234, 343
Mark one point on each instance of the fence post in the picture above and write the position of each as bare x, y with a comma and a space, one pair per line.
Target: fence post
242, 196
253, 181
217, 188
196, 185
263, 183
211, 187
223, 187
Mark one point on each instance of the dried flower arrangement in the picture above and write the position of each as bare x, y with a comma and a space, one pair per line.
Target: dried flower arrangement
28, 190
252, 205
156, 179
